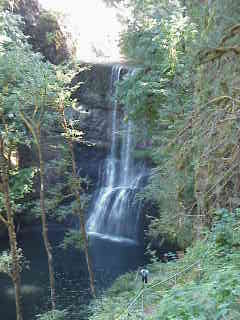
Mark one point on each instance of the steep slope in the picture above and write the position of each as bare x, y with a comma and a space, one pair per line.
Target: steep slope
44, 30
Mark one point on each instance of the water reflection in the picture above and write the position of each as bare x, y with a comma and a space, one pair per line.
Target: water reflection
110, 259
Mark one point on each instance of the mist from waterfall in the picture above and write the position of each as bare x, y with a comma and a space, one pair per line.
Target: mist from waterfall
115, 213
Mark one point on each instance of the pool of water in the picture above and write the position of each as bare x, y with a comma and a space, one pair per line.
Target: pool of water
110, 259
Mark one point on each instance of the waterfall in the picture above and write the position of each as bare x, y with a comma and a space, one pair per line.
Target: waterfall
115, 213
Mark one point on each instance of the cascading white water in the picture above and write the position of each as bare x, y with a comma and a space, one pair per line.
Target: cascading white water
115, 213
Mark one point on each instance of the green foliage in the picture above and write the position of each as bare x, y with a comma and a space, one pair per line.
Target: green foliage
158, 95
49, 38
185, 95
215, 295
13, 131
226, 230
53, 315
48, 27
32, 92
3, 4
204, 284
6, 263
73, 238
113, 2
32, 89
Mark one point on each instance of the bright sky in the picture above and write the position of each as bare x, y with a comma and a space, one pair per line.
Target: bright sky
95, 25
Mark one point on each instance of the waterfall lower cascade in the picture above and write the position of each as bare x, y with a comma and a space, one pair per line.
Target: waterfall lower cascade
115, 213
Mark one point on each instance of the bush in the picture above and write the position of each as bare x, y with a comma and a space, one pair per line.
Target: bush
53, 315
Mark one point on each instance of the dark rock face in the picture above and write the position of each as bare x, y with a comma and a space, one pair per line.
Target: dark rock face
93, 122
95, 87
3, 231
89, 160
93, 116
29, 10
94, 106
44, 30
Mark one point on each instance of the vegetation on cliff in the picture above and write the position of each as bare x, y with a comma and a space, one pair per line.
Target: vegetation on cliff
186, 93
43, 30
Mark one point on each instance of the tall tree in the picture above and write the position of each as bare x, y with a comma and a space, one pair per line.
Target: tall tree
32, 108
15, 182
64, 98
9, 223
28, 93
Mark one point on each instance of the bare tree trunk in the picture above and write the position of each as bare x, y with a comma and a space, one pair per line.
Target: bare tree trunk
47, 243
35, 130
82, 224
78, 199
16, 278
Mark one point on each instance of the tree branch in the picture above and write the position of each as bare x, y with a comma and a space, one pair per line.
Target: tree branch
28, 124
3, 219
231, 33
217, 53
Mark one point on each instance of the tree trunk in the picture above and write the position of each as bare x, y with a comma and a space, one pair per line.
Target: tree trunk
47, 243
82, 223
35, 130
16, 278
81, 213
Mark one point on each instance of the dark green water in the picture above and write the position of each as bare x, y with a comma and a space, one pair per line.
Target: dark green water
110, 259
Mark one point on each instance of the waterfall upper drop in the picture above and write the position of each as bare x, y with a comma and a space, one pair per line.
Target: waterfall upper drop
115, 213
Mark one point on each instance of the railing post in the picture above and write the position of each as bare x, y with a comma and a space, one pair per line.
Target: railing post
143, 301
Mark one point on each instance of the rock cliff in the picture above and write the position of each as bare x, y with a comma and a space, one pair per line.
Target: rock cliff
94, 103
43, 29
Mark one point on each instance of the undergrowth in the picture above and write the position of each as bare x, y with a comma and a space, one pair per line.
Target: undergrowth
204, 284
